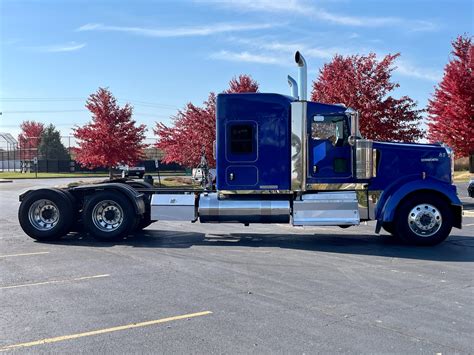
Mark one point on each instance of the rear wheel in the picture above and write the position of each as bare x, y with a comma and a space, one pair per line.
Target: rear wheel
46, 214
109, 216
423, 220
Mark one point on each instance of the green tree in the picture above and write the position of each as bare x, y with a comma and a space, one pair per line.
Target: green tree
51, 146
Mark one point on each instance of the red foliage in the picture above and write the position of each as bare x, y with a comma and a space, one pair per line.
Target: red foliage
242, 83
112, 137
29, 139
363, 83
194, 128
451, 110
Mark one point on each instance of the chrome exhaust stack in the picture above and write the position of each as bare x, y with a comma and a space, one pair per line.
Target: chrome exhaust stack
293, 86
302, 76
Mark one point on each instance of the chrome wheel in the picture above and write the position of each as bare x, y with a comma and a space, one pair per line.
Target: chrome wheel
43, 215
107, 216
425, 220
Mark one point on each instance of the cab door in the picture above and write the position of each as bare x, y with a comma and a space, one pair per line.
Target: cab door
329, 152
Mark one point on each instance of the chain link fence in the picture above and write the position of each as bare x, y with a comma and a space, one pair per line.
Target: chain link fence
9, 153
26, 156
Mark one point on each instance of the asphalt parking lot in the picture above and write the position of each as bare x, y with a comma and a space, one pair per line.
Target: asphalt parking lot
191, 288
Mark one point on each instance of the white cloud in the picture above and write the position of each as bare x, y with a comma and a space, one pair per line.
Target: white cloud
406, 69
11, 41
292, 6
277, 52
353, 20
306, 8
289, 48
68, 47
244, 57
177, 31
422, 26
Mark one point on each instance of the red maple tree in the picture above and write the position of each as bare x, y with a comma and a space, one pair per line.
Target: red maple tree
242, 83
112, 137
194, 128
29, 139
363, 83
451, 110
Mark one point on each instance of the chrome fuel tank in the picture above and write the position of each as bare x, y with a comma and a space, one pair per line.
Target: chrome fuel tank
214, 210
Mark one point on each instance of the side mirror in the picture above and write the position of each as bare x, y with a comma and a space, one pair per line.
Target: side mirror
352, 140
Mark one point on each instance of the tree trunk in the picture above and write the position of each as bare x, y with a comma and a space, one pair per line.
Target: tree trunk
110, 173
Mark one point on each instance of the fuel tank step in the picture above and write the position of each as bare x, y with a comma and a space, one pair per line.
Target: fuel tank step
212, 209
326, 209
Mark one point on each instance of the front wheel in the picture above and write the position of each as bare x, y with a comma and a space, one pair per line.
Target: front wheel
423, 220
109, 216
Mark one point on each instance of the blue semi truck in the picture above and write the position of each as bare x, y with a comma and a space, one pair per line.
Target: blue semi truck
279, 159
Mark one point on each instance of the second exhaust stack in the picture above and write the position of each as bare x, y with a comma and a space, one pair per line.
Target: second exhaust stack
302, 76
293, 86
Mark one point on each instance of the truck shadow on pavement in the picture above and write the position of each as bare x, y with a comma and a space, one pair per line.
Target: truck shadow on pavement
454, 249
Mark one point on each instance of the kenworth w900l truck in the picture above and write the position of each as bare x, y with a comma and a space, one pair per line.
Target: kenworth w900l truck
279, 159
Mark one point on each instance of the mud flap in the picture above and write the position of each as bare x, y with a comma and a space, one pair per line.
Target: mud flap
378, 226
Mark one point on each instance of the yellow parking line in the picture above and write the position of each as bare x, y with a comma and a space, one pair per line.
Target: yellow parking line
103, 331
24, 254
55, 281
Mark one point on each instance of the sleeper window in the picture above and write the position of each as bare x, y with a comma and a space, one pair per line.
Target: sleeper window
241, 139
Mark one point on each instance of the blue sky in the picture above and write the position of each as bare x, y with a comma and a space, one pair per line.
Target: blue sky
159, 55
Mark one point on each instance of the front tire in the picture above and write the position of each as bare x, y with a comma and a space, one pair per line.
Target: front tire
109, 216
46, 214
423, 220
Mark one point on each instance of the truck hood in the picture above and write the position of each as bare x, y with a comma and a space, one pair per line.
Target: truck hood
396, 160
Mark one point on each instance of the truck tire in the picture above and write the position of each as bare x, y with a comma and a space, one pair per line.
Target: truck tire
423, 220
71, 199
108, 216
46, 214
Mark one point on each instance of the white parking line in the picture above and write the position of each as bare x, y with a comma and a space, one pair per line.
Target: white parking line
24, 254
55, 281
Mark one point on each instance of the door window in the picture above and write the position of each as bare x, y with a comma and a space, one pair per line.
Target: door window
331, 128
329, 149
